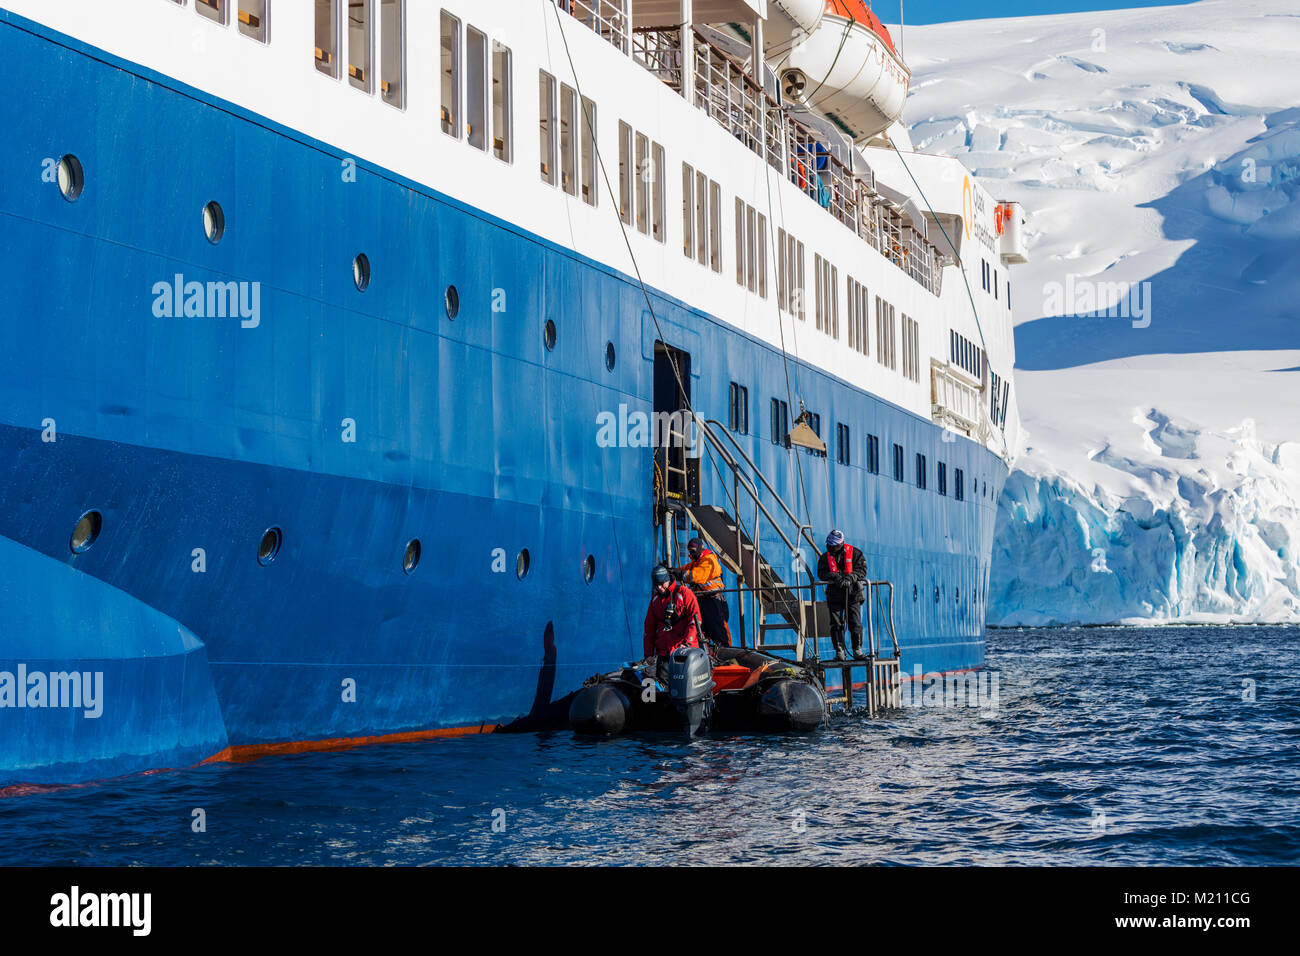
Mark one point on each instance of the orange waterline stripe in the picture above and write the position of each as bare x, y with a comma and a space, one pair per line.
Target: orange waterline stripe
240, 753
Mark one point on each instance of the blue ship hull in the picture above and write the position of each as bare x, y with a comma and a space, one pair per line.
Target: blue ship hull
194, 435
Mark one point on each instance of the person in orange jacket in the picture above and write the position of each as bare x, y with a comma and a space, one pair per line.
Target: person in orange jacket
704, 576
672, 620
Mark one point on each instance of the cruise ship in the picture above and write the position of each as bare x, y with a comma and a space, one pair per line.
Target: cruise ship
339, 332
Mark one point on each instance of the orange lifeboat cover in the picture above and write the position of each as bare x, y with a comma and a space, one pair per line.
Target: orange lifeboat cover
857, 10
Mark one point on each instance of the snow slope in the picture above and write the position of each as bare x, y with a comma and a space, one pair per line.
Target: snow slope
1160, 478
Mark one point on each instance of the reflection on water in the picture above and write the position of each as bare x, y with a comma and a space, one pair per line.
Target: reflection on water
1108, 746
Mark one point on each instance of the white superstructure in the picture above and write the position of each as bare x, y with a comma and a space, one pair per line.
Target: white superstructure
543, 114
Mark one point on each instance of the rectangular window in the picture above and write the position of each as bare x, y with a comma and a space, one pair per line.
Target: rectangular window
799, 286
702, 218
625, 172
835, 301
911, 349
359, 44
898, 462
688, 211
780, 423
1008, 296
782, 289
392, 52
995, 284
590, 190
546, 125
212, 9
450, 75
739, 422
843, 450
715, 226
873, 454
568, 139
740, 241
820, 303
886, 353
658, 209
921, 472
751, 253
643, 174
503, 98
476, 89
815, 423
942, 475
762, 255
958, 484
252, 19
327, 37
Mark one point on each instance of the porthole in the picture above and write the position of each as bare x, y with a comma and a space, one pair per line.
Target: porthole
522, 564
609, 356
548, 335
270, 546
411, 559
87, 530
72, 178
214, 222
589, 568
453, 302
361, 271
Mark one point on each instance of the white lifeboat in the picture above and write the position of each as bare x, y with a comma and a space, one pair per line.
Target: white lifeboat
790, 22
848, 71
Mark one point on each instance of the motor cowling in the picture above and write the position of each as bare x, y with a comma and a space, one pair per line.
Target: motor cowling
690, 687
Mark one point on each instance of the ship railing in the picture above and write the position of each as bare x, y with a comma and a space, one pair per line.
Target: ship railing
821, 176
729, 93
606, 18
659, 50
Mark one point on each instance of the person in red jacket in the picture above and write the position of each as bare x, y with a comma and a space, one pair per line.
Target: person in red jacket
672, 621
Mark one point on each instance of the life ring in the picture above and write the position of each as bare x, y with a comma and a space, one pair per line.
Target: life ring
1001, 214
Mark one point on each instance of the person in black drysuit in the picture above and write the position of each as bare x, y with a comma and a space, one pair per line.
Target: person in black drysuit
844, 569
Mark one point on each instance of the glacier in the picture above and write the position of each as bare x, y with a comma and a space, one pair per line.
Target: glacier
1159, 474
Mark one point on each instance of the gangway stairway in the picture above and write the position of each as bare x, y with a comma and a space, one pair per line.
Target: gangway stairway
787, 619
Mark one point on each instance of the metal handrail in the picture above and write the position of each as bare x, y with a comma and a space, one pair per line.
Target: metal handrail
805, 530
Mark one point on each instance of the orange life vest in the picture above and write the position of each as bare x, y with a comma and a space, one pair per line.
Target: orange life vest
848, 560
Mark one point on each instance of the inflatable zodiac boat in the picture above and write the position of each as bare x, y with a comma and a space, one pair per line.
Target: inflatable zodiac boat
744, 690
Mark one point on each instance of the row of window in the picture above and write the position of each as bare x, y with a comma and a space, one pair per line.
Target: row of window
999, 396
751, 248
349, 33
701, 218
646, 171
251, 16
789, 274
989, 277
779, 410
89, 526
826, 278
476, 84
965, 354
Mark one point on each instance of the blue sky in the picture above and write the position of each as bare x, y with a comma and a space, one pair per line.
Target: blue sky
939, 11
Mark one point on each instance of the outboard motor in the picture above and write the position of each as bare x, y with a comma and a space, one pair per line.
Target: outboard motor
690, 687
